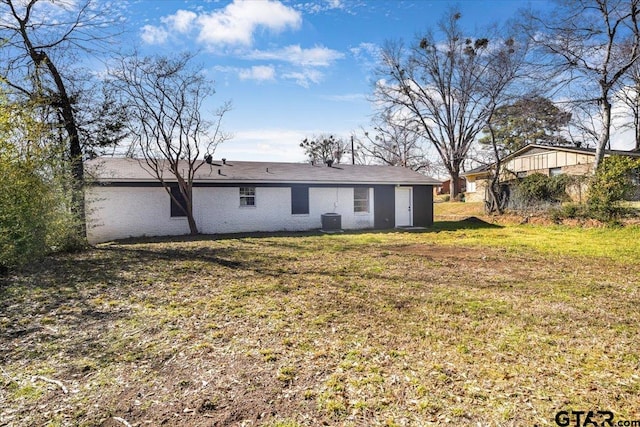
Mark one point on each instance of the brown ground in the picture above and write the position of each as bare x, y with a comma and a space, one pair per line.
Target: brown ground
286, 332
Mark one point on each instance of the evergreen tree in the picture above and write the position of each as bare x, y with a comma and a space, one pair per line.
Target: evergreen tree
534, 120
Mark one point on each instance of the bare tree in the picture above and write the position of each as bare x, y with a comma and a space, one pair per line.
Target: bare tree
505, 79
165, 98
324, 149
441, 83
39, 41
591, 45
629, 95
396, 142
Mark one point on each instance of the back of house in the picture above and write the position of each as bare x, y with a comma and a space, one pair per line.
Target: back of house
126, 199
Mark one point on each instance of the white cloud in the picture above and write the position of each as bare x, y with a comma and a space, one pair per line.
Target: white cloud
233, 25
305, 77
314, 7
265, 145
237, 22
347, 97
154, 35
314, 57
367, 55
258, 72
366, 51
181, 21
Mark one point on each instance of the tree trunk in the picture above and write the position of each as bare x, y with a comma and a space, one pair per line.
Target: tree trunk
75, 152
193, 228
64, 105
454, 183
187, 192
606, 130
636, 126
636, 117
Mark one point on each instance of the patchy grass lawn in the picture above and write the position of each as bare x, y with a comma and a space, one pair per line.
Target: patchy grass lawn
463, 324
458, 210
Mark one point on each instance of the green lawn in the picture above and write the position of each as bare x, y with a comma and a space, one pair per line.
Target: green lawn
463, 324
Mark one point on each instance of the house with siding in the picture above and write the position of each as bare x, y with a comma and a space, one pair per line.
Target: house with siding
544, 159
126, 200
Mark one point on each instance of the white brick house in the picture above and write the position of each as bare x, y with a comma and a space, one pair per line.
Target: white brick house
126, 200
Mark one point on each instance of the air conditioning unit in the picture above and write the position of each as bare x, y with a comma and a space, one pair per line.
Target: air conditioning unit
331, 222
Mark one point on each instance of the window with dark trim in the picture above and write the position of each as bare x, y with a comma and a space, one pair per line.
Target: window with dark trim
299, 200
247, 196
177, 209
361, 199
555, 171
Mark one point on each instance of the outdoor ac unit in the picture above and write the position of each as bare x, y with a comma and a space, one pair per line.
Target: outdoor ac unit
331, 222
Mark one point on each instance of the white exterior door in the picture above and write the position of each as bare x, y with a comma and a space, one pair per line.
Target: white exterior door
404, 216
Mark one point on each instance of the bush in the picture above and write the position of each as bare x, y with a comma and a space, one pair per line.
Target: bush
610, 185
24, 214
35, 214
569, 210
540, 190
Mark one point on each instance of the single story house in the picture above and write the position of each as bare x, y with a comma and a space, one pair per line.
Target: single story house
126, 200
536, 158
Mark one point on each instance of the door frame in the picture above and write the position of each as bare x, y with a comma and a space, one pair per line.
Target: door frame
399, 209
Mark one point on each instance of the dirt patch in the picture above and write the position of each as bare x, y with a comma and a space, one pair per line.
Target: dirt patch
483, 263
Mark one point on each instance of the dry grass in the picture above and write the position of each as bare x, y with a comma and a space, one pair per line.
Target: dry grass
463, 324
458, 210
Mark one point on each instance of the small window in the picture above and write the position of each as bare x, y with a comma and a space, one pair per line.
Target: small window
247, 196
360, 199
555, 171
178, 203
521, 174
299, 200
471, 186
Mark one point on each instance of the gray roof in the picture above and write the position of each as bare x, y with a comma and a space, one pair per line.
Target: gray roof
572, 149
542, 147
121, 170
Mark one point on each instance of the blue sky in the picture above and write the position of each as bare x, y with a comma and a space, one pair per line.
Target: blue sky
293, 69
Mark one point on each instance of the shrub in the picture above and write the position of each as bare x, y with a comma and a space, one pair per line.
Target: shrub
540, 190
610, 185
569, 210
24, 214
35, 214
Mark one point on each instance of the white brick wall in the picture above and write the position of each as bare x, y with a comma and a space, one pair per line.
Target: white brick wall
120, 212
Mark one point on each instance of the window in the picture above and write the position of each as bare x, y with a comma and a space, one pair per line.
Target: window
521, 174
247, 196
555, 171
471, 186
360, 199
299, 200
177, 209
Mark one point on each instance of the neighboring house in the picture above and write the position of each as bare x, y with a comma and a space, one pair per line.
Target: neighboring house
445, 187
125, 200
544, 159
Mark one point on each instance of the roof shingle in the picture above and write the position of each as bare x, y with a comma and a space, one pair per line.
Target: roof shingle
112, 169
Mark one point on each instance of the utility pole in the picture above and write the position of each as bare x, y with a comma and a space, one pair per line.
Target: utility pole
353, 154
